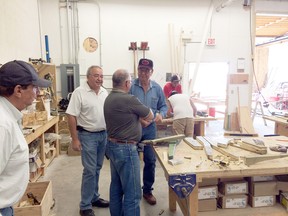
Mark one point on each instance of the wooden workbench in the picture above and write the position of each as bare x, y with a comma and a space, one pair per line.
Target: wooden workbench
209, 102
281, 124
205, 169
38, 132
199, 124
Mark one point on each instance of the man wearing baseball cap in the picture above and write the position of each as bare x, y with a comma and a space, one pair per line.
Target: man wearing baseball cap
19, 82
150, 94
173, 85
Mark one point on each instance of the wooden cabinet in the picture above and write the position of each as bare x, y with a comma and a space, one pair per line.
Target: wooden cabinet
46, 157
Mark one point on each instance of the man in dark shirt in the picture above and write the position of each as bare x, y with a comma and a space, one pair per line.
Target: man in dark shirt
123, 113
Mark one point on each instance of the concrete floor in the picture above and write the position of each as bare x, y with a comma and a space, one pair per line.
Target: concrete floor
65, 173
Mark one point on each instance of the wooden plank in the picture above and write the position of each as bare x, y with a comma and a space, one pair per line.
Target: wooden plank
221, 150
193, 143
207, 147
164, 139
245, 146
253, 160
245, 120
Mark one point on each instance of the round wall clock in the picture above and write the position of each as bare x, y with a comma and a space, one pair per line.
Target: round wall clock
90, 44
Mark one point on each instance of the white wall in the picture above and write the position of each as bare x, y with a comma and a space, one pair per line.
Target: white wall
19, 30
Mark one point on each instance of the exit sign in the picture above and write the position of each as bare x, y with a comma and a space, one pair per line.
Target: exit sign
210, 42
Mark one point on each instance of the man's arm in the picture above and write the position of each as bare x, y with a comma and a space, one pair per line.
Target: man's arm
72, 122
161, 107
145, 121
193, 107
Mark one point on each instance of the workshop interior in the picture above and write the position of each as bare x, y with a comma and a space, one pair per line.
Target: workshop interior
231, 60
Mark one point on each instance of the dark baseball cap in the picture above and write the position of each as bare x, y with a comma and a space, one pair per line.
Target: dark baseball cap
20, 73
146, 63
175, 78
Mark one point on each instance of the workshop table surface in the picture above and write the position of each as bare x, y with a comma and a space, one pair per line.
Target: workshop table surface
195, 161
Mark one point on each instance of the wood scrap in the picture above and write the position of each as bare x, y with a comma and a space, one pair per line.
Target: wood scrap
223, 142
164, 139
207, 147
250, 160
249, 147
193, 143
220, 150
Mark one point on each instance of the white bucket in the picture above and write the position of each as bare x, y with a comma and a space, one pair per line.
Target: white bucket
47, 107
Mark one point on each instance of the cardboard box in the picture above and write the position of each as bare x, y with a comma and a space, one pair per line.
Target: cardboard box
262, 201
208, 182
207, 205
43, 192
233, 201
230, 188
284, 200
208, 192
263, 188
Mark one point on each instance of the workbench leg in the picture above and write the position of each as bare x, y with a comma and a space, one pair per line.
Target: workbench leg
172, 200
188, 206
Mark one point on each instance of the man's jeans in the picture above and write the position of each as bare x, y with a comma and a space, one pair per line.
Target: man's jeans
92, 155
149, 158
125, 187
7, 211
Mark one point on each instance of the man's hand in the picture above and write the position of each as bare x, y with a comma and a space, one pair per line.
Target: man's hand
76, 145
158, 118
144, 122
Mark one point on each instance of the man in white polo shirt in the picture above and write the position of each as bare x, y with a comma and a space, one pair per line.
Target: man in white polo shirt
88, 131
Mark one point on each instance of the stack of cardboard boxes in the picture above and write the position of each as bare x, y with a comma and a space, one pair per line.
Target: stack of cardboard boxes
262, 191
232, 193
207, 195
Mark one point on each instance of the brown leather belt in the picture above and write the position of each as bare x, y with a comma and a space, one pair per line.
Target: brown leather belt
122, 141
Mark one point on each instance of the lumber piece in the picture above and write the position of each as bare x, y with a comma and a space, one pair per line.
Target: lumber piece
220, 150
256, 143
223, 142
164, 139
207, 147
250, 160
247, 147
245, 120
193, 143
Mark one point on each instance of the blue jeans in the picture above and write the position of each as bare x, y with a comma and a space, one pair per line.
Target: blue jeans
92, 155
7, 211
125, 187
149, 159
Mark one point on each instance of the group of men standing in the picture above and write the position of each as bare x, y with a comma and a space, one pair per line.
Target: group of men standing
100, 124
129, 113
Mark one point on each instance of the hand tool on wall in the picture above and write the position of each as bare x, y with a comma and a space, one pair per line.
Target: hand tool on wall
133, 47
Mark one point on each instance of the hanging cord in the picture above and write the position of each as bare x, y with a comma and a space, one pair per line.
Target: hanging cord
265, 103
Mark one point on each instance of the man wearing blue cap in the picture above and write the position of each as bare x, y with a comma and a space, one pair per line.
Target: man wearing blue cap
19, 84
150, 94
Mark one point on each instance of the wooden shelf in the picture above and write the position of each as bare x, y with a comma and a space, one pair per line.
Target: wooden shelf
39, 130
